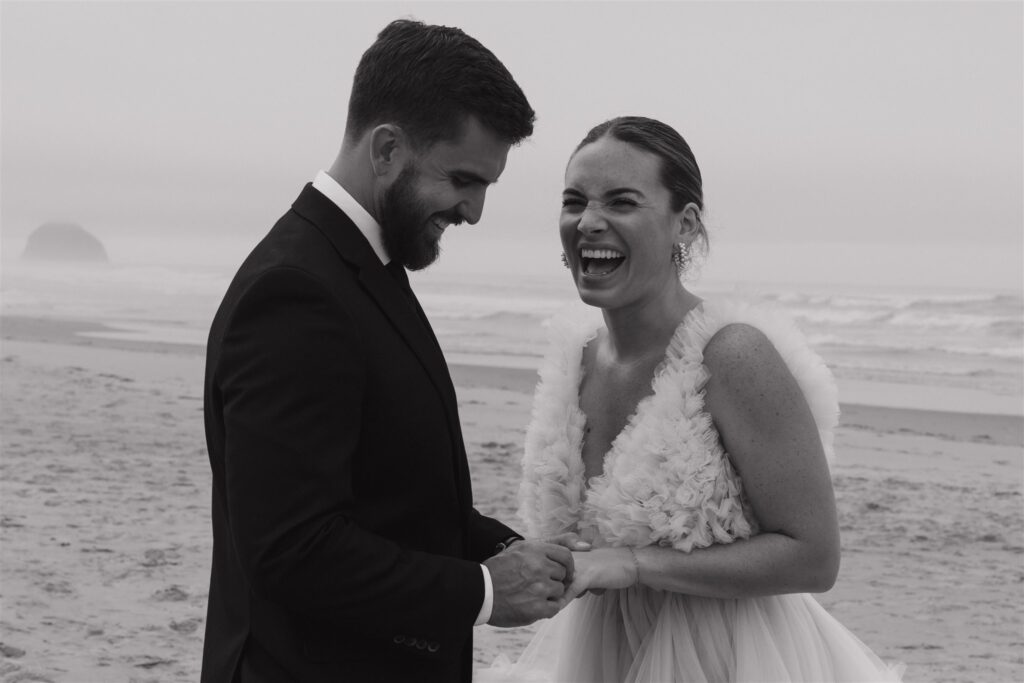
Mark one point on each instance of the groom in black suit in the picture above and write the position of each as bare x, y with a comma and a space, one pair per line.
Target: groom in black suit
346, 546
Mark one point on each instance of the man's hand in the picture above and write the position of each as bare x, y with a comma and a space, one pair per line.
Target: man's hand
529, 580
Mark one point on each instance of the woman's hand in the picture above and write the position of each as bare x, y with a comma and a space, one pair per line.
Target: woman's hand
600, 569
570, 540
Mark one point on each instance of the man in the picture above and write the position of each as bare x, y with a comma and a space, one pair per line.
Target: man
346, 547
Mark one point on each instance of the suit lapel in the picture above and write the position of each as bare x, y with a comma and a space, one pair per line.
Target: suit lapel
402, 313
411, 322
380, 286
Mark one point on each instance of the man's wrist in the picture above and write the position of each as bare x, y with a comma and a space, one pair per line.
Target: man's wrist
503, 545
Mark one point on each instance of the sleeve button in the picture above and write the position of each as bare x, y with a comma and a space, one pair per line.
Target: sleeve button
433, 647
421, 644
399, 639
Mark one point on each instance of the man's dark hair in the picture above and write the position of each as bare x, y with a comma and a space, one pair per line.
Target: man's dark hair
428, 80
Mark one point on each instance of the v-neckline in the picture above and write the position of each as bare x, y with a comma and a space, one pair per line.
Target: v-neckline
634, 417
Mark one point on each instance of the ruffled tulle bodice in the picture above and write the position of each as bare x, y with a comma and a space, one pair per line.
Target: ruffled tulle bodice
668, 481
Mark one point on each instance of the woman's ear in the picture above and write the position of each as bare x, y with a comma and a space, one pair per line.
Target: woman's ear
388, 149
689, 223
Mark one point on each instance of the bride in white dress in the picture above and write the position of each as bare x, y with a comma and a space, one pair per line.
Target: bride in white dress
688, 442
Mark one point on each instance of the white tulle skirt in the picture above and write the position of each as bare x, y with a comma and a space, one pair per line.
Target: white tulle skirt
641, 635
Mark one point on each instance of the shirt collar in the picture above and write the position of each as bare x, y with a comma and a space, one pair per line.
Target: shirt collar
371, 230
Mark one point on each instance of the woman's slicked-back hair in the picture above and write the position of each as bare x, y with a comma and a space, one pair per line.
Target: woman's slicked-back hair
679, 171
428, 80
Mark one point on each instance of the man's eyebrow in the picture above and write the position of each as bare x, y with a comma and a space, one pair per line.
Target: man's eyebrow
473, 177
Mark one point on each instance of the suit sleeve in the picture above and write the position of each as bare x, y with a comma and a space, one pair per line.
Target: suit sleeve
487, 532
292, 381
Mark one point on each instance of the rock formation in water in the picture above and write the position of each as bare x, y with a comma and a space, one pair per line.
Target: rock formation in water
64, 242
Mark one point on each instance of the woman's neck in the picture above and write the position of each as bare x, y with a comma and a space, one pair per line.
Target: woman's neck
646, 327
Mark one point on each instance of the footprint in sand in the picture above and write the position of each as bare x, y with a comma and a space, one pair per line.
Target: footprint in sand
29, 677
60, 588
152, 662
171, 594
495, 444
117, 378
160, 558
11, 652
186, 626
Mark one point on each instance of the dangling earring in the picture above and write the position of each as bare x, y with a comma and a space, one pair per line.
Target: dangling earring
565, 260
681, 256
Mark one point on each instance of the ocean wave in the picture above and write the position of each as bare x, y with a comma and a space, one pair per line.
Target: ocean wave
118, 279
1009, 303
959, 321
1012, 301
484, 315
827, 316
492, 308
933, 370
1008, 328
994, 324
906, 346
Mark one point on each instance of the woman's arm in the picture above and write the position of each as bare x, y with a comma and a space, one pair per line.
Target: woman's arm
770, 436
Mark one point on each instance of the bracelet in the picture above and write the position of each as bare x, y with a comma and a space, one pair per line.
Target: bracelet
636, 563
503, 545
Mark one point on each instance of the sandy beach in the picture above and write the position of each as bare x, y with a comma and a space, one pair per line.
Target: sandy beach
104, 519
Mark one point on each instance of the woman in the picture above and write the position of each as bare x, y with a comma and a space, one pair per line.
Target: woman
687, 442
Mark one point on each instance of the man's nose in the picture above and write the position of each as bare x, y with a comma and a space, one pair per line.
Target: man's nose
471, 208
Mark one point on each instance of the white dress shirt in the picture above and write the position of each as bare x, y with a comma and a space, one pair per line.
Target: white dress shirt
330, 188
370, 228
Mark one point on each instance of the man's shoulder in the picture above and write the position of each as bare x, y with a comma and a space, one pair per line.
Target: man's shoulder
295, 252
294, 242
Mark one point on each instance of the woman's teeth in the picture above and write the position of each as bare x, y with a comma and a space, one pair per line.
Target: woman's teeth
600, 261
600, 253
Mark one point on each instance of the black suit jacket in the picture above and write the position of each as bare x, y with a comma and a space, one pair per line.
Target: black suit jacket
346, 547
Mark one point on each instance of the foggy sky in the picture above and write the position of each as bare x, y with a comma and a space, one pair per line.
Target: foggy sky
827, 132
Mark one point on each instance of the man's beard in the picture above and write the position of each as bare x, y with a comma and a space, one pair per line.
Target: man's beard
404, 224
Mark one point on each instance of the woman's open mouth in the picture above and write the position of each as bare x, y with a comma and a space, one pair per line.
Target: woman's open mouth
600, 262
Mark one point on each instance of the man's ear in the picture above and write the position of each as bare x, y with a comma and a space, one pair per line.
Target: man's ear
389, 149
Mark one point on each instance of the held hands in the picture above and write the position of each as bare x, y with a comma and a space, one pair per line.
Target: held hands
600, 569
530, 579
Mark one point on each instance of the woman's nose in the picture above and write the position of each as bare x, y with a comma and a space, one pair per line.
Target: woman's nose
591, 220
